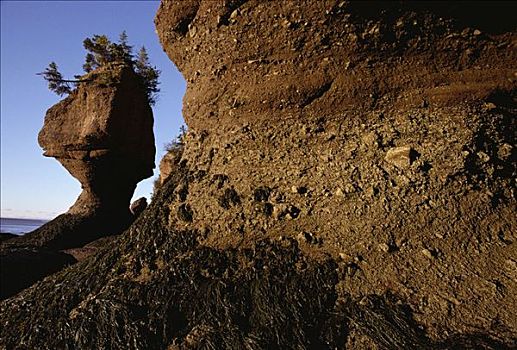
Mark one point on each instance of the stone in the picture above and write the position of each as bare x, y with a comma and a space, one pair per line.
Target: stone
384, 247
504, 151
170, 163
138, 206
401, 157
489, 106
427, 253
483, 156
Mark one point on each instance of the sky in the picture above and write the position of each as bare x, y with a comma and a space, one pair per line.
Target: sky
34, 33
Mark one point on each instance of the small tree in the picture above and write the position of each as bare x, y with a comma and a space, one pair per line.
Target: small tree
90, 63
123, 50
101, 51
99, 47
55, 80
149, 75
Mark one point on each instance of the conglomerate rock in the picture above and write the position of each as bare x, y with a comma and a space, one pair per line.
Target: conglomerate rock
348, 181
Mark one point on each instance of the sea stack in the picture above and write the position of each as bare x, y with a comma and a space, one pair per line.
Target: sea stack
103, 135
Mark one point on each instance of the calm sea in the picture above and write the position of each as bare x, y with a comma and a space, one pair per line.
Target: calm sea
19, 226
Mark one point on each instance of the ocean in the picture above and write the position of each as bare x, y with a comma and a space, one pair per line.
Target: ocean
19, 226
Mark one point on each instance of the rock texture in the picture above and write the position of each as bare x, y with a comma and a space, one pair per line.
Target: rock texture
348, 181
387, 122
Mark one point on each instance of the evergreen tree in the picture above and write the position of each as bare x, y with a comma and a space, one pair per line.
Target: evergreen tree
149, 75
101, 51
99, 48
55, 80
126, 50
90, 63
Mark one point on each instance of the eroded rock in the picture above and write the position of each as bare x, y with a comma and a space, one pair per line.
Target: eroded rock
102, 134
138, 206
266, 89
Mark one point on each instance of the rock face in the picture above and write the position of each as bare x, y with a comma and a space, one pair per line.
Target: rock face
347, 182
103, 135
376, 116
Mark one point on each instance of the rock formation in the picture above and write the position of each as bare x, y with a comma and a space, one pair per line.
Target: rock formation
348, 181
138, 206
387, 122
103, 135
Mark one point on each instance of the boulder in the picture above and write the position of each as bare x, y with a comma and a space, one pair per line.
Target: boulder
138, 206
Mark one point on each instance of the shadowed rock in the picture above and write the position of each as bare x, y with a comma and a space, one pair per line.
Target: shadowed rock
138, 206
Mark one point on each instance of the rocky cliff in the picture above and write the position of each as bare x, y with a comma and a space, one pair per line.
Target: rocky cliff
348, 181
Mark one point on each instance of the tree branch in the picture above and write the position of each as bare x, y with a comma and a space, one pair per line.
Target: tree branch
65, 80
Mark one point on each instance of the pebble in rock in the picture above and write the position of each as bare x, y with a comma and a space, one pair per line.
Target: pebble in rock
427, 253
401, 157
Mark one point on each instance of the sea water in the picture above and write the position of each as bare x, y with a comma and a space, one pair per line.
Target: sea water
19, 226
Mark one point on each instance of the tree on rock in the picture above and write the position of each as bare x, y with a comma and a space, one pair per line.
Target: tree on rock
101, 51
56, 83
148, 73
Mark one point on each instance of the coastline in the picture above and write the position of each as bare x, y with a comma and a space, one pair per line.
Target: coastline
18, 226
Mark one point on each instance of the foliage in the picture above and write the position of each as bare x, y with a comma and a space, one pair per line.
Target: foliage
100, 52
55, 80
175, 147
148, 73
178, 142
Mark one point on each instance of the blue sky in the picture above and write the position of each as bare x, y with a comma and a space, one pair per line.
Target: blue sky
34, 33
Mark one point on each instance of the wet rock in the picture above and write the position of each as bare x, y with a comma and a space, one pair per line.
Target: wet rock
4, 236
23, 267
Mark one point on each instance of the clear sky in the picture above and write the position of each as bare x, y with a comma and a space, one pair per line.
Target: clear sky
34, 33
